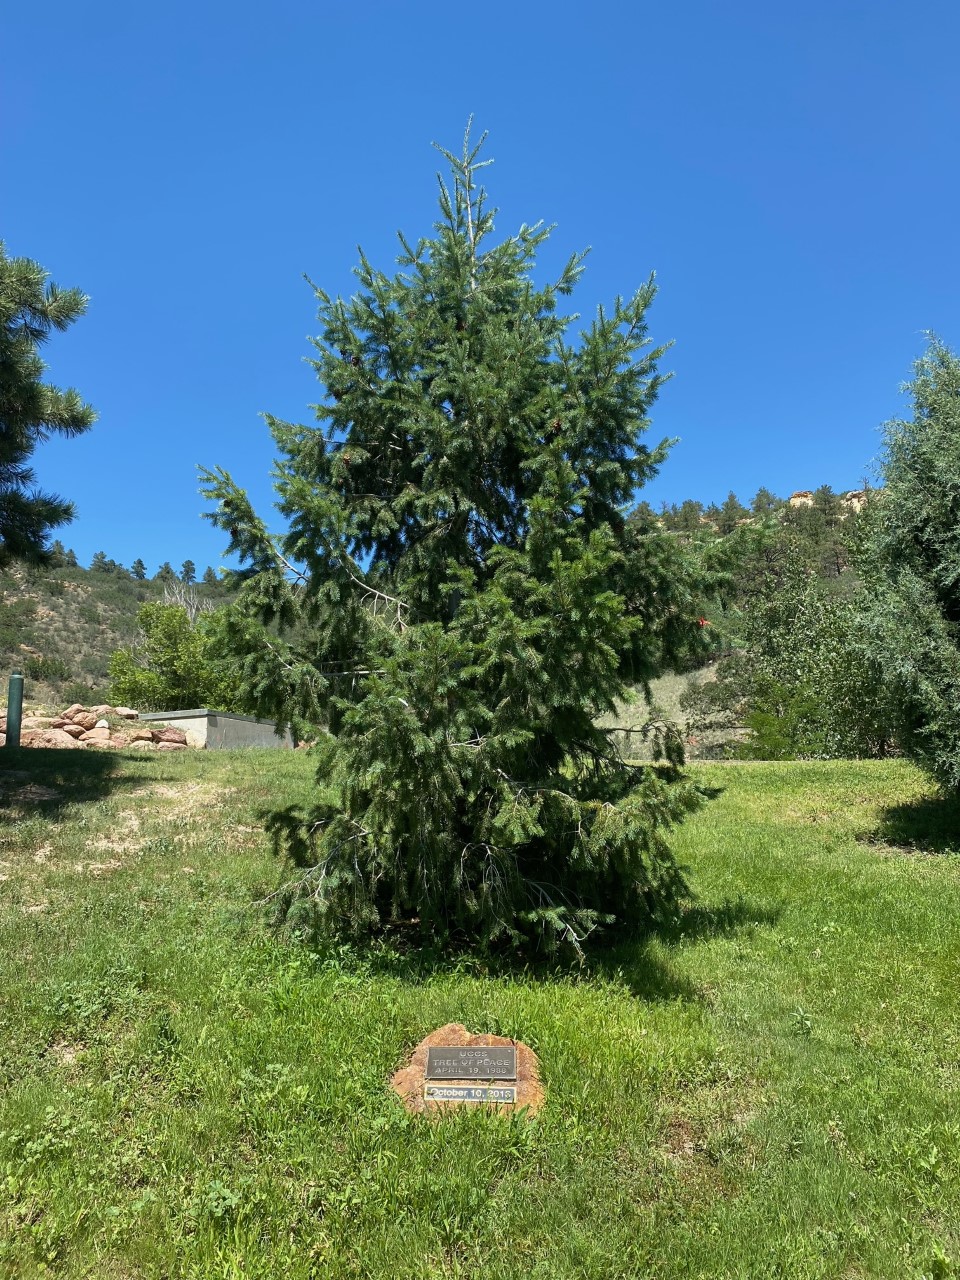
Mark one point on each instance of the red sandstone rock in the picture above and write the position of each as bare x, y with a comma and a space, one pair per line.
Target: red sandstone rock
95, 735
170, 734
410, 1080
71, 711
101, 710
126, 713
85, 719
48, 738
74, 730
170, 746
140, 735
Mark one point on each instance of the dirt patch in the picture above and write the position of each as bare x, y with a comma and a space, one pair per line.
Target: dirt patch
65, 1053
680, 1144
31, 794
123, 838
187, 799
97, 868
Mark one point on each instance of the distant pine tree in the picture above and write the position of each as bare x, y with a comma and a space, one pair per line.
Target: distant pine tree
165, 573
765, 503
139, 570
731, 513
188, 572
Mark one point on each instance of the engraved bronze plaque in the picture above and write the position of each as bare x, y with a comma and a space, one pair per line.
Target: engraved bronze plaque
470, 1093
472, 1062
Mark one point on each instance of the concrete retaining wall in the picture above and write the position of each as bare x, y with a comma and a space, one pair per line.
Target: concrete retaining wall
219, 730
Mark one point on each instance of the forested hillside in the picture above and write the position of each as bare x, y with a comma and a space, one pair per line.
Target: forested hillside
60, 625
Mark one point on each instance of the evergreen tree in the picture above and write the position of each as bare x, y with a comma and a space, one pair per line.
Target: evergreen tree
31, 410
165, 573
766, 503
139, 570
70, 558
188, 572
101, 563
459, 596
685, 518
911, 569
731, 513
210, 578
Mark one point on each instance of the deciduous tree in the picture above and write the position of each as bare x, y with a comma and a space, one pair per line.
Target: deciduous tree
911, 568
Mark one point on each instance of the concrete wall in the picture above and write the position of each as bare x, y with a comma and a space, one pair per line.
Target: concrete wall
221, 730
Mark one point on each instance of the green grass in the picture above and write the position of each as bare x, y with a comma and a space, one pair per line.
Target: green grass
768, 1088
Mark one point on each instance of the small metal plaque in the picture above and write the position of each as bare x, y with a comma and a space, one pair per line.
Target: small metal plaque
472, 1062
469, 1093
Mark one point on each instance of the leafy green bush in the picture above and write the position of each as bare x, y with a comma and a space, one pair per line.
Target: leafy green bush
911, 567
803, 682
49, 670
16, 624
175, 664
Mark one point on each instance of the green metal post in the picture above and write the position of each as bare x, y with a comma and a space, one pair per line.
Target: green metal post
14, 709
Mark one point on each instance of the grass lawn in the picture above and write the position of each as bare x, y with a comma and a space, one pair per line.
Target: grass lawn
769, 1088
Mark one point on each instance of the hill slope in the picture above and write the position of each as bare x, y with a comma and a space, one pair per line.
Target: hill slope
60, 627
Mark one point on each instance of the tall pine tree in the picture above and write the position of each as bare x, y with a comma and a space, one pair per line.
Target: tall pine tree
31, 410
459, 596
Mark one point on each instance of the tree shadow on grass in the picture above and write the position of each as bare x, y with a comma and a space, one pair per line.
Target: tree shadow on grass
636, 962
930, 825
636, 959
39, 780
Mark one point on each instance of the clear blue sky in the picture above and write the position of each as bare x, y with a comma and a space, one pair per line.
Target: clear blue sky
789, 171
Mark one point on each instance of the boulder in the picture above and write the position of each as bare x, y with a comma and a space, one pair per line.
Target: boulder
36, 722
59, 722
126, 713
169, 734
74, 730
72, 710
85, 719
50, 738
94, 735
170, 746
101, 724
140, 735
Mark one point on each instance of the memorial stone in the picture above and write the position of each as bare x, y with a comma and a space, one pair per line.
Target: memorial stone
451, 1068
